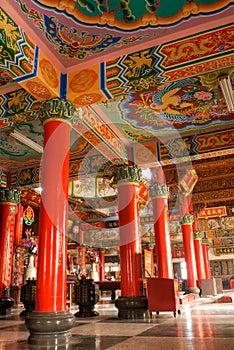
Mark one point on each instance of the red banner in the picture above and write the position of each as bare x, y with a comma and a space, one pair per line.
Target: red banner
148, 263
188, 182
213, 212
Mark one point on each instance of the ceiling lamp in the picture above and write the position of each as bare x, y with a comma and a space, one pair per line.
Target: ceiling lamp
226, 87
26, 141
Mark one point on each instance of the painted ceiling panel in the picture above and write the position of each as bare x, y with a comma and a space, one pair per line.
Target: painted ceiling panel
80, 31
147, 70
182, 107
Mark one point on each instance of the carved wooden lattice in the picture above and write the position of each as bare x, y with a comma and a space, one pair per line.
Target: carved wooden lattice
222, 267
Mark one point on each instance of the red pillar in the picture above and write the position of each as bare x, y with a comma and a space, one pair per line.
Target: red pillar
9, 198
197, 236
81, 260
205, 253
132, 303
81, 254
19, 225
130, 245
16, 276
52, 250
102, 265
159, 195
51, 315
187, 232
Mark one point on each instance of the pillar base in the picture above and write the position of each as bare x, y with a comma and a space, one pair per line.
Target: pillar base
194, 290
50, 329
5, 305
132, 307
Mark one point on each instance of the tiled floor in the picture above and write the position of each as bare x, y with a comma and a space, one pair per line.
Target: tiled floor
205, 324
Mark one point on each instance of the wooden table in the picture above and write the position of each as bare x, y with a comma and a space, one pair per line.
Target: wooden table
109, 286
15, 294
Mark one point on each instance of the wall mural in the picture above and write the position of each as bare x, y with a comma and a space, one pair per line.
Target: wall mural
17, 51
193, 48
3, 178
18, 106
181, 105
197, 145
172, 61
14, 151
5, 79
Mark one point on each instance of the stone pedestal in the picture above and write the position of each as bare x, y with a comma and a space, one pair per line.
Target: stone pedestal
219, 285
211, 286
132, 308
208, 287
50, 329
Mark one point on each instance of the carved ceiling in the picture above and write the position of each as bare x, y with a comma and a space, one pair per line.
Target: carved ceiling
143, 77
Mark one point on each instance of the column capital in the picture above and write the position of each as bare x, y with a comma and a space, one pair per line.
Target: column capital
186, 219
204, 240
57, 109
9, 195
197, 235
101, 250
159, 191
128, 173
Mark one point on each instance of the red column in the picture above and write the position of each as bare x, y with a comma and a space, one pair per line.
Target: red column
83, 260
51, 315
132, 304
53, 232
187, 232
197, 236
16, 275
19, 225
102, 265
130, 245
81, 253
205, 253
159, 195
9, 199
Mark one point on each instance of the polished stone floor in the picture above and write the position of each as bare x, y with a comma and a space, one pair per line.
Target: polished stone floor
204, 324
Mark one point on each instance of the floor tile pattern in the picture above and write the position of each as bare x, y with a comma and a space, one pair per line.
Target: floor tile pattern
204, 324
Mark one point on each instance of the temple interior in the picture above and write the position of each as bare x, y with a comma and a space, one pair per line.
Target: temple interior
116, 174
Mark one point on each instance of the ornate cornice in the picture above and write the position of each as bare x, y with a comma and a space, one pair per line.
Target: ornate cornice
8, 195
127, 173
186, 219
218, 183
57, 109
159, 191
213, 196
224, 250
197, 235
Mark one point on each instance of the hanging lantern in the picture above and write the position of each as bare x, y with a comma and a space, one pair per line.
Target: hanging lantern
28, 215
